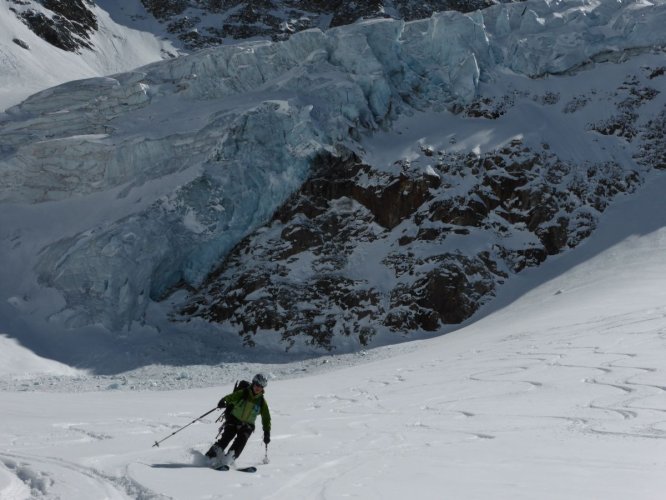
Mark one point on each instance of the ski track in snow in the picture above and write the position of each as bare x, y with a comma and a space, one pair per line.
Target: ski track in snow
591, 379
37, 473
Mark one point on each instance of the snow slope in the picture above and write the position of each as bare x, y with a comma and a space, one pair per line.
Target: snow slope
24, 72
557, 393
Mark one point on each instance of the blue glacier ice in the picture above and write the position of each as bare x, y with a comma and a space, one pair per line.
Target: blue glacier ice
183, 158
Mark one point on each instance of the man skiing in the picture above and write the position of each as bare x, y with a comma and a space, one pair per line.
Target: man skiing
242, 407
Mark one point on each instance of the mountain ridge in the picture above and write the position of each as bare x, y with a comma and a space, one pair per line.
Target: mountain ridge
437, 98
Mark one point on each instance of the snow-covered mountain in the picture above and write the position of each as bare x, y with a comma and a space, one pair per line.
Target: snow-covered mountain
382, 179
49, 42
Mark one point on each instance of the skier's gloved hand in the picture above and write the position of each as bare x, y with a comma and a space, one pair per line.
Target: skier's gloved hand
267, 437
222, 403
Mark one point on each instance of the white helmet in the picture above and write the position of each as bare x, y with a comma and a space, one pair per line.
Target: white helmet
260, 380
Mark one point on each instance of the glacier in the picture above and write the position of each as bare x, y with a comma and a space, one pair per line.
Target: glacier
181, 159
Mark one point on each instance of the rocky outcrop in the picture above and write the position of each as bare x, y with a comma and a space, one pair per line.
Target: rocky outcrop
64, 24
515, 204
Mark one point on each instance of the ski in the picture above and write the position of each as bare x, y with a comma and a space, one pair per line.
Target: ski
240, 469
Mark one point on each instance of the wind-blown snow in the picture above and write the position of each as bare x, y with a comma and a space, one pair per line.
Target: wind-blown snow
17, 362
190, 155
558, 393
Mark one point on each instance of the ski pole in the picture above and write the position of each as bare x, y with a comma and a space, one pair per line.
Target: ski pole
266, 455
222, 421
157, 443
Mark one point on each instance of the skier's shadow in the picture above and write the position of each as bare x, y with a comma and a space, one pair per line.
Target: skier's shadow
176, 466
198, 460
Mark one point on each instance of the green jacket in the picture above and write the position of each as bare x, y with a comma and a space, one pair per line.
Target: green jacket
246, 406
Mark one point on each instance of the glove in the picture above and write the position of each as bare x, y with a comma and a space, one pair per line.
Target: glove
222, 403
267, 437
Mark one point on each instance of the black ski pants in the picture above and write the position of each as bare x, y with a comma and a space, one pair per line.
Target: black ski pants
234, 428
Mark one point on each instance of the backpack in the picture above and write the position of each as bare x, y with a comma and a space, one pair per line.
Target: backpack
239, 385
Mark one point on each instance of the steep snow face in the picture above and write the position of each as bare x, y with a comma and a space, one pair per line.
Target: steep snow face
170, 165
29, 64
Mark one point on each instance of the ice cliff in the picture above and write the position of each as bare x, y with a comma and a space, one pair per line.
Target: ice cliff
177, 161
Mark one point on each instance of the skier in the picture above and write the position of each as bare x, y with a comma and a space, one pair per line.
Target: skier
242, 407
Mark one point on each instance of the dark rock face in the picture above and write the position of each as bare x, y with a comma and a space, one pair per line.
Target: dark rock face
164, 9
21, 43
653, 151
405, 220
67, 24
409, 10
